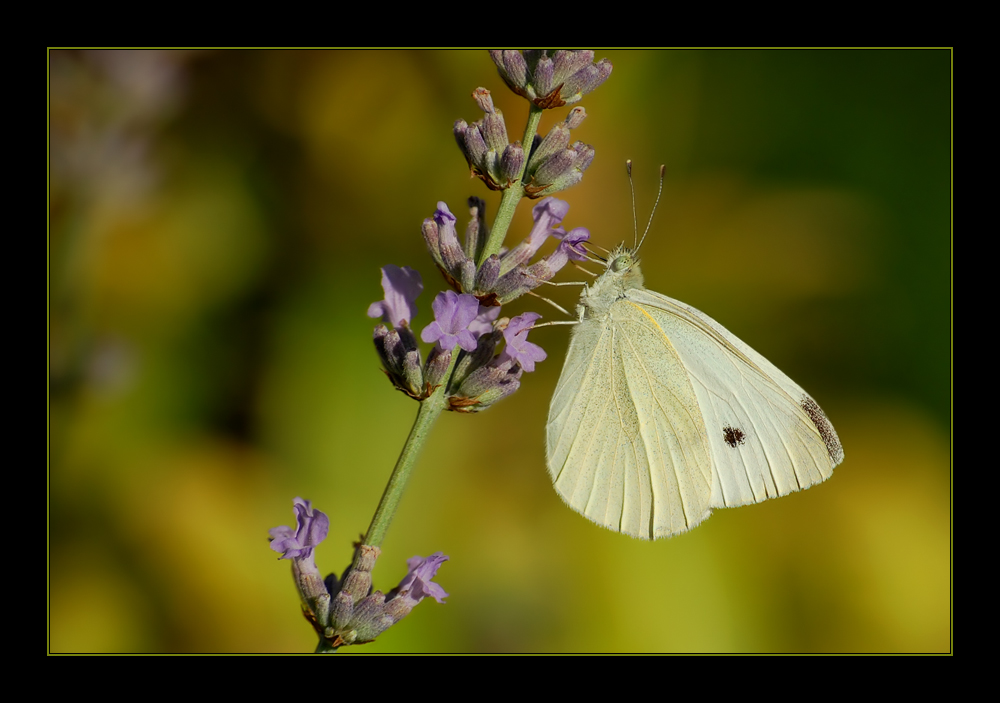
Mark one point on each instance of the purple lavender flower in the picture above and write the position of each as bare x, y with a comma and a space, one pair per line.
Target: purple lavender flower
573, 242
401, 287
548, 213
310, 531
453, 314
571, 247
417, 581
297, 545
517, 347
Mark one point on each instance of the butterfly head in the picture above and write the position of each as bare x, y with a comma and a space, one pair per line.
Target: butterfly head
622, 272
622, 260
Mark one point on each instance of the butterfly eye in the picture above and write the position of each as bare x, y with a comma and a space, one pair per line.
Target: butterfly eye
621, 263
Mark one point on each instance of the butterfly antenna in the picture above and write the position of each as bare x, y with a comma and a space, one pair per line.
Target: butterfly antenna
663, 171
631, 187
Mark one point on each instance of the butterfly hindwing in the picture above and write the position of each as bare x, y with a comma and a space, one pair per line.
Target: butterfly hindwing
627, 447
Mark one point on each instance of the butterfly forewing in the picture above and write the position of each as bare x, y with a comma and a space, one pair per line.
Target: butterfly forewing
764, 443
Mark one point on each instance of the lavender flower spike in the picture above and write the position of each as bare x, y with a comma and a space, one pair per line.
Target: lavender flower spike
453, 314
401, 287
517, 347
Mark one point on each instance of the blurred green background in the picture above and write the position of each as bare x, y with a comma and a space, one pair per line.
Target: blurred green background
217, 224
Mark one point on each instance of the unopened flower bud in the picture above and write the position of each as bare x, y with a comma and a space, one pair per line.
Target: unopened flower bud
511, 163
467, 275
483, 99
341, 610
486, 386
358, 579
485, 347
438, 362
488, 273
575, 117
393, 351
554, 167
555, 142
476, 231
412, 373
381, 332
495, 131
560, 171
475, 145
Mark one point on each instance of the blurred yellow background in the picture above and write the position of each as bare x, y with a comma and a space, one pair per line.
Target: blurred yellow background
217, 224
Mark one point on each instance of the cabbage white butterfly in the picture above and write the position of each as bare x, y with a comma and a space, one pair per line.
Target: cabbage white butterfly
661, 414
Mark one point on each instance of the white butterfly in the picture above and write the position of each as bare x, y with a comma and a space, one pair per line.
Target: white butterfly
661, 414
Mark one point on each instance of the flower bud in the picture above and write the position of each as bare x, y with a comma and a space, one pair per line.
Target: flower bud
476, 231
438, 362
358, 581
495, 131
488, 273
511, 163
486, 386
412, 373
560, 171
341, 610
485, 347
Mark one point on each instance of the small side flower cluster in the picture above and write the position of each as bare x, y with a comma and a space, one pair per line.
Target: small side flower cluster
347, 611
484, 143
468, 317
555, 164
550, 81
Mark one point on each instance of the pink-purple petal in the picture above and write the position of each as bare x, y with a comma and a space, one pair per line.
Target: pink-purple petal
418, 580
401, 287
312, 527
453, 314
517, 347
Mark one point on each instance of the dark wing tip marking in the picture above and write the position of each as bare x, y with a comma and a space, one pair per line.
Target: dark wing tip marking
826, 431
733, 436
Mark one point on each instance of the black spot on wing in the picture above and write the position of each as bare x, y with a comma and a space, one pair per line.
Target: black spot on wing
733, 436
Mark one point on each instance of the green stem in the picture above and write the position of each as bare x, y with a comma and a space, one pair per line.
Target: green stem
512, 196
430, 409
